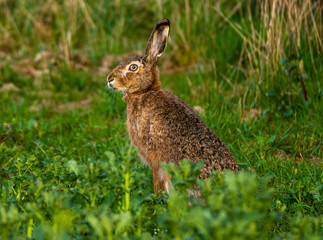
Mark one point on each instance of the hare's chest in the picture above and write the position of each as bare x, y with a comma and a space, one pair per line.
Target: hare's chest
135, 125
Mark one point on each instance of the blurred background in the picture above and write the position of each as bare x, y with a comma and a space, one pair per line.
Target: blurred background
266, 47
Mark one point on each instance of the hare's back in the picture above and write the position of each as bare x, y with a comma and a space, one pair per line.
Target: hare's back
181, 133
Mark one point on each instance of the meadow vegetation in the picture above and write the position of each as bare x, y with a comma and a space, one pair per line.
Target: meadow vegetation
251, 69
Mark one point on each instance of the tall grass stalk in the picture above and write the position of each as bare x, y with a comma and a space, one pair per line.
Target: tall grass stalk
277, 30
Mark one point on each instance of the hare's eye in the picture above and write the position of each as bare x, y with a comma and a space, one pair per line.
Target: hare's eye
133, 67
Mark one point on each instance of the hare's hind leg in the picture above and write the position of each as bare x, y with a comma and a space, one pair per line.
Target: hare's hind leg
161, 180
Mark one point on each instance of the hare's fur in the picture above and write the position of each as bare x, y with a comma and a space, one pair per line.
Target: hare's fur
161, 125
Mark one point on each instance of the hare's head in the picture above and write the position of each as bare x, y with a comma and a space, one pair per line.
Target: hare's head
140, 74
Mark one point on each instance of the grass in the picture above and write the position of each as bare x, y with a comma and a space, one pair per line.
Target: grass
67, 167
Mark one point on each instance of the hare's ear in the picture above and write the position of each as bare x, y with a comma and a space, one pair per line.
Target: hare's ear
157, 41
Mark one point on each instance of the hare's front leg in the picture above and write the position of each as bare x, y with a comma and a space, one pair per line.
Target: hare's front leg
161, 180
160, 177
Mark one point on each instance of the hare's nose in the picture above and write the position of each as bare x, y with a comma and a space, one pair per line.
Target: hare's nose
110, 78
110, 81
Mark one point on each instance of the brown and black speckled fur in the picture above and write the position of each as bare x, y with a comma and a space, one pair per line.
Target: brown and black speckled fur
161, 125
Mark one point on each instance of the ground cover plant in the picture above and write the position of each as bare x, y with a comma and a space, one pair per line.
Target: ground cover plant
252, 70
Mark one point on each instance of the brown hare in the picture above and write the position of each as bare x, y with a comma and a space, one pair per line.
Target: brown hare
161, 125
